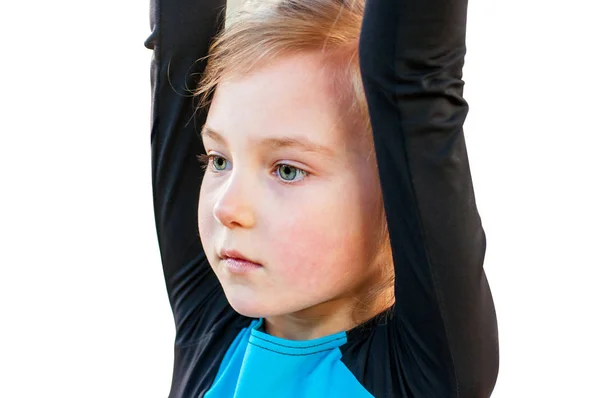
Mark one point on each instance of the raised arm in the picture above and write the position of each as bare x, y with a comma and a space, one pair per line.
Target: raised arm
181, 32
412, 53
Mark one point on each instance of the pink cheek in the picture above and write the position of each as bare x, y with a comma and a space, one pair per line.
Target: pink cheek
206, 223
303, 253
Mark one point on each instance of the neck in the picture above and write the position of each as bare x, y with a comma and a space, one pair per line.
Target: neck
324, 319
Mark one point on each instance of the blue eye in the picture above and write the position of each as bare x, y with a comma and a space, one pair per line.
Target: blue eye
218, 163
290, 173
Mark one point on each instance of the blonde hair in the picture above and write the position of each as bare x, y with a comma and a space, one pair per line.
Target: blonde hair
264, 30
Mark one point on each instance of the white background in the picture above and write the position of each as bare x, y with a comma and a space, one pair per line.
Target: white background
83, 308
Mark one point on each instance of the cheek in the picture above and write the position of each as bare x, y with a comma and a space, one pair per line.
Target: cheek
304, 255
322, 244
205, 216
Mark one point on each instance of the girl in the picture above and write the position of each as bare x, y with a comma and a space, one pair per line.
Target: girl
323, 124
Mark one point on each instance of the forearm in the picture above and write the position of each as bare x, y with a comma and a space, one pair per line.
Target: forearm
181, 33
412, 53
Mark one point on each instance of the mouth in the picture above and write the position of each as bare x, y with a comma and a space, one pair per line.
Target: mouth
236, 262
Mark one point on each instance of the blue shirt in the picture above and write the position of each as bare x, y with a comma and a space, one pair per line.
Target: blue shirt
259, 365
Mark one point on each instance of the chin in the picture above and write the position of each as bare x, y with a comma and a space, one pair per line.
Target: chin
250, 304
249, 311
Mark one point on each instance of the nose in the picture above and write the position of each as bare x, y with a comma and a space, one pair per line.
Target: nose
233, 208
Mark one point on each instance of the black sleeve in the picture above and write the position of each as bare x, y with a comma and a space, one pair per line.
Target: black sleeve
181, 34
411, 54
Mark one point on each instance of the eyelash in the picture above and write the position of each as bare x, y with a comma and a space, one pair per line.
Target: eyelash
204, 161
207, 162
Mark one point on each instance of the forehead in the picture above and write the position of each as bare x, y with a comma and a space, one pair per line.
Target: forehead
292, 96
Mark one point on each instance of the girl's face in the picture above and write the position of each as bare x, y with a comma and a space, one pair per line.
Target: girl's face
292, 188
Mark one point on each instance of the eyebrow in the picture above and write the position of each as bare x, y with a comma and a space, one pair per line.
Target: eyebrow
300, 143
208, 132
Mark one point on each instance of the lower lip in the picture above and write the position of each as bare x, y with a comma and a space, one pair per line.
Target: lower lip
238, 266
